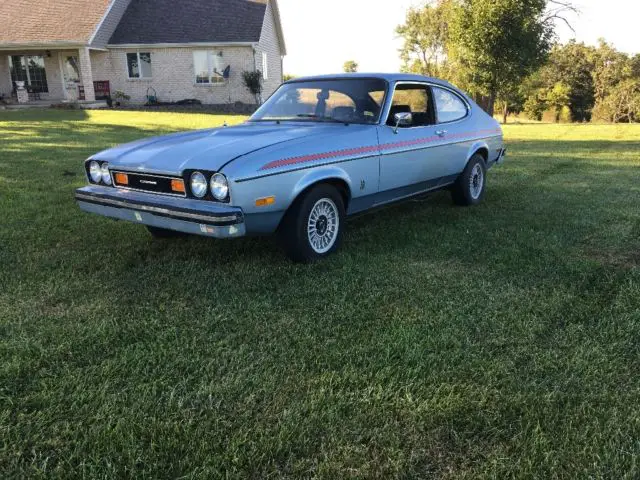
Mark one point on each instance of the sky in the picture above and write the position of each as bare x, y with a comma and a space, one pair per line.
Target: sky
322, 34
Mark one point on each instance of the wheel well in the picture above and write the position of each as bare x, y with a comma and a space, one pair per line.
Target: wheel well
484, 153
338, 183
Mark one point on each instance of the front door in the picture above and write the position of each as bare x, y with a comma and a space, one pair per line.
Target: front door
411, 155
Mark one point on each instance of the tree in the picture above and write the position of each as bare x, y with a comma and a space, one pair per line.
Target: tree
253, 82
350, 66
572, 65
511, 100
622, 104
616, 78
426, 36
287, 76
610, 68
558, 98
497, 43
535, 105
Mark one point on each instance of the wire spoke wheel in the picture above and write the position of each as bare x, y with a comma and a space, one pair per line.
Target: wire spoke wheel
323, 225
476, 182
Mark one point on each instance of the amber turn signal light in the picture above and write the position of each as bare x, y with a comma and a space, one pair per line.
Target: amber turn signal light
177, 185
121, 179
266, 201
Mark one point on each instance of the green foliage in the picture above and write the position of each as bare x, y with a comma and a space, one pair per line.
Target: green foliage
572, 65
616, 78
558, 98
287, 76
511, 100
426, 36
622, 104
497, 43
350, 66
253, 82
120, 96
611, 67
535, 105
597, 81
485, 46
499, 342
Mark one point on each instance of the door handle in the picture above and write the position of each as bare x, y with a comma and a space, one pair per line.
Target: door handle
441, 133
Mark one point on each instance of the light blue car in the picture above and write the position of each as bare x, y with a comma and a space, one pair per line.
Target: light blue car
320, 149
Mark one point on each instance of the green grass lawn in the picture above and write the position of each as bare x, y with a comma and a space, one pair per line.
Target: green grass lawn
492, 342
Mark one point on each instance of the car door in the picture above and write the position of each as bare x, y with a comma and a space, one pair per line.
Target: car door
453, 127
412, 155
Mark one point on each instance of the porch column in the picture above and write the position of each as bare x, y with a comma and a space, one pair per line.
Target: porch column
86, 76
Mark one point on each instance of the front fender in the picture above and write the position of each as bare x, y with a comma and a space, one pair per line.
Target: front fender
330, 172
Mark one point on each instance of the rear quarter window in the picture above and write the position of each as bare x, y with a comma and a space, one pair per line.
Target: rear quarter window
450, 106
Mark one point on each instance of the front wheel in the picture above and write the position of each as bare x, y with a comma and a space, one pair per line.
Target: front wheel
470, 186
312, 229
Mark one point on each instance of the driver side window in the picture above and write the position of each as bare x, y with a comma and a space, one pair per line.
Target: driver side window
415, 99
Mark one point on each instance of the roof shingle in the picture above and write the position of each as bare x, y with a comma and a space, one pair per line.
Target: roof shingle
190, 21
26, 22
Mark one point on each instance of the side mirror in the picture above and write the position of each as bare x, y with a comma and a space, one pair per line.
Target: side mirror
403, 119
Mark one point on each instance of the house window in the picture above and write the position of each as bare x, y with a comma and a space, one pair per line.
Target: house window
208, 67
139, 65
30, 70
265, 66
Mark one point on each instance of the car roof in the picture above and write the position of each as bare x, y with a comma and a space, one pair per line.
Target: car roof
389, 77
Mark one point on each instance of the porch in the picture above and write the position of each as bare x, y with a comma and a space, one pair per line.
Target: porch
43, 77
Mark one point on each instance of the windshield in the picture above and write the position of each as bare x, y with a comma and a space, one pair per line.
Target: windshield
356, 100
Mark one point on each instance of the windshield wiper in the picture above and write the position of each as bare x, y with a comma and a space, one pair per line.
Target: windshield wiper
321, 118
309, 116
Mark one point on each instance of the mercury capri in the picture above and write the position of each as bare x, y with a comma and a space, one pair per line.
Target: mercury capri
318, 150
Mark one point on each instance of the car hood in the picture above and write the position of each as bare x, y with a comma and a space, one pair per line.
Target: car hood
208, 149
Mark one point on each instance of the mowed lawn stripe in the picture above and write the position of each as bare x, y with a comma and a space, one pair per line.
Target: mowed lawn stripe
491, 342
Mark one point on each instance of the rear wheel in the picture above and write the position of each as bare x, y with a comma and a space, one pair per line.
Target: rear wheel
470, 186
312, 228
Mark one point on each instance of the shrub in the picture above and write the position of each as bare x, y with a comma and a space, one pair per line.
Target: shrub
253, 82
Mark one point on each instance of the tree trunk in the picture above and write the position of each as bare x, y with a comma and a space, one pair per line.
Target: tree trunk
486, 103
505, 113
482, 102
492, 103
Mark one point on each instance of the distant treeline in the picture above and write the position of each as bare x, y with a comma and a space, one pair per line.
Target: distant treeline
504, 53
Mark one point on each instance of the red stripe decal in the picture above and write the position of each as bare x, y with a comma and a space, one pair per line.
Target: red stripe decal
360, 150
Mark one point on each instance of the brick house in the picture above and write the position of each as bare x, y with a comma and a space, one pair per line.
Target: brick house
65, 50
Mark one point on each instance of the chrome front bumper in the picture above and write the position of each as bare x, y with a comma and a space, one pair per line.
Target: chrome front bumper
197, 217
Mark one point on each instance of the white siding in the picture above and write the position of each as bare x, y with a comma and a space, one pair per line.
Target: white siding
173, 75
270, 45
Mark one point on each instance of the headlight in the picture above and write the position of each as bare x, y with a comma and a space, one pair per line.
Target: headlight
219, 186
95, 172
106, 177
198, 184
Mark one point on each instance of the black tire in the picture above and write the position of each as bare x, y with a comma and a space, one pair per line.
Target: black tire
157, 232
293, 232
464, 191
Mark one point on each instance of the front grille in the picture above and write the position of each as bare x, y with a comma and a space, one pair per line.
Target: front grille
148, 183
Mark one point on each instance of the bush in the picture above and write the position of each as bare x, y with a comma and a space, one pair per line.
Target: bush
535, 106
120, 97
253, 82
